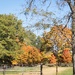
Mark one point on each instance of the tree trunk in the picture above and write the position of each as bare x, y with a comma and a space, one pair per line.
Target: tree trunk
72, 7
73, 39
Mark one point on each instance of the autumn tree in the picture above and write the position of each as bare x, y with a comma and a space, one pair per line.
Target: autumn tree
30, 55
67, 56
53, 59
71, 14
60, 3
46, 43
56, 38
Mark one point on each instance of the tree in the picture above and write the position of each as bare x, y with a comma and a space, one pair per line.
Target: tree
71, 4
72, 8
30, 35
38, 42
30, 55
53, 59
66, 56
56, 38
46, 43
10, 29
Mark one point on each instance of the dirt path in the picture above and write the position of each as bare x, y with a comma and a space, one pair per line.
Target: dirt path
46, 71
49, 70
52, 70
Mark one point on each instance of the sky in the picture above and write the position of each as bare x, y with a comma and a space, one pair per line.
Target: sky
12, 7
8, 6
16, 7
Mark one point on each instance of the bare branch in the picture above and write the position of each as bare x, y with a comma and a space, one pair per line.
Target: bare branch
69, 16
74, 2
30, 4
48, 6
70, 4
44, 1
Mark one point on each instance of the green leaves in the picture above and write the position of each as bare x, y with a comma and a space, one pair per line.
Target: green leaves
10, 28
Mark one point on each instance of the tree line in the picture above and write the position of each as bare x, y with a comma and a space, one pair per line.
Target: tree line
19, 46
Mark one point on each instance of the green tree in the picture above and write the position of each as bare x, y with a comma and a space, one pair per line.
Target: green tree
31, 37
38, 42
46, 43
10, 29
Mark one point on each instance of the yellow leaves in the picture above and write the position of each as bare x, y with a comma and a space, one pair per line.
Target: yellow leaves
67, 49
14, 62
58, 35
23, 57
48, 45
48, 57
30, 60
30, 55
42, 40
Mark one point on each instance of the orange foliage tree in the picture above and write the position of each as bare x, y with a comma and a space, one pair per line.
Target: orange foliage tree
58, 36
66, 56
53, 59
30, 55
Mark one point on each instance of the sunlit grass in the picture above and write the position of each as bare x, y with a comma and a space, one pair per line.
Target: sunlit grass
67, 72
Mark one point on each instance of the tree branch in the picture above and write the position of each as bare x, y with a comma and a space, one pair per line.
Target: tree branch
70, 4
30, 4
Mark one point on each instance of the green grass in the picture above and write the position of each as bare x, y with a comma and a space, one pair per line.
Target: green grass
18, 69
67, 72
25, 69
10, 72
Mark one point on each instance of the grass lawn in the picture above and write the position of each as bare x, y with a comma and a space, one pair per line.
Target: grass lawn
36, 70
17, 70
10, 72
67, 72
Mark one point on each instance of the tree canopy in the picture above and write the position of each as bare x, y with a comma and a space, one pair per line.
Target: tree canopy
10, 29
57, 38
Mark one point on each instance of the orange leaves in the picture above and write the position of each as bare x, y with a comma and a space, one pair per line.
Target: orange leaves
31, 55
48, 58
23, 58
53, 59
67, 58
61, 34
58, 36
